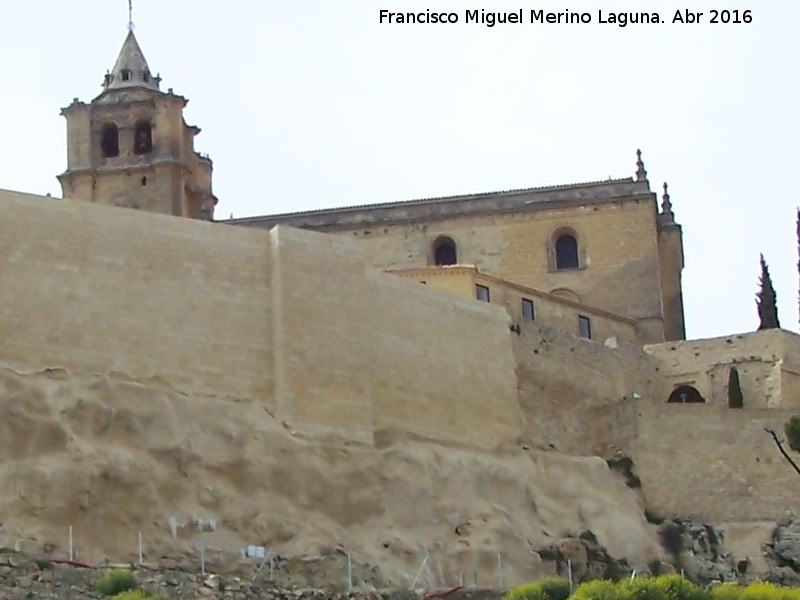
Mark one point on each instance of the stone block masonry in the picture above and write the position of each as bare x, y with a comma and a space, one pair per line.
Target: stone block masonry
290, 318
95, 289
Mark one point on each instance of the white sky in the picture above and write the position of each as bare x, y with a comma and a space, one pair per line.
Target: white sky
315, 104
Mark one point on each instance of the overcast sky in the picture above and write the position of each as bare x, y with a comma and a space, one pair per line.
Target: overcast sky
316, 104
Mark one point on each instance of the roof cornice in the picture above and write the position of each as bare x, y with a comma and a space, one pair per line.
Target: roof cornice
427, 209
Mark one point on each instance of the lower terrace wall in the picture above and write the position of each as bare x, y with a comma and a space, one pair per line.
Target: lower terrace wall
702, 460
768, 364
548, 309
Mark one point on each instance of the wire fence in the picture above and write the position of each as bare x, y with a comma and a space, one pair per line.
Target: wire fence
435, 569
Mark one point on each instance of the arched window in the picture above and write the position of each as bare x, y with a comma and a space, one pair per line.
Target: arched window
566, 252
685, 394
444, 251
142, 137
109, 142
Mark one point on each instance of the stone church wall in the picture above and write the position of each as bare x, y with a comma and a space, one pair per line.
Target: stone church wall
617, 244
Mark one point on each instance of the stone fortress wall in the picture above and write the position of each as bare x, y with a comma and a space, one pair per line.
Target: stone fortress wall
289, 317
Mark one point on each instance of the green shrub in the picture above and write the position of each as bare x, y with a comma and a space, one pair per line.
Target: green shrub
666, 587
549, 588
135, 595
116, 581
763, 590
726, 591
601, 589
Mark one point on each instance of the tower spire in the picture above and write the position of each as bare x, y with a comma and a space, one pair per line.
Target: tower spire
131, 26
641, 174
131, 68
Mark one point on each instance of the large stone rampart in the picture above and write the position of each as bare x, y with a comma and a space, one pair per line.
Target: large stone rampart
95, 289
294, 319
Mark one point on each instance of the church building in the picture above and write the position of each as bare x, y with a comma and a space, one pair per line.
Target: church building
596, 259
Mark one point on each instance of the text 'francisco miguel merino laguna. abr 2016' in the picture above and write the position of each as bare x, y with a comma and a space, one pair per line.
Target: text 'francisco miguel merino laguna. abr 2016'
567, 17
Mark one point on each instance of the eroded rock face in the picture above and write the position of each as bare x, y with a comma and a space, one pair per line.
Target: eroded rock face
698, 549
585, 557
783, 553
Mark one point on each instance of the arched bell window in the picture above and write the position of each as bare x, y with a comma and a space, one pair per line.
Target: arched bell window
142, 137
109, 140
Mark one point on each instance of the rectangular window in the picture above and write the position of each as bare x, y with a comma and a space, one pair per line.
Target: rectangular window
584, 327
527, 309
482, 293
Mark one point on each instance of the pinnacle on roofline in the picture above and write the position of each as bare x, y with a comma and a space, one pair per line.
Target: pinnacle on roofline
641, 174
668, 216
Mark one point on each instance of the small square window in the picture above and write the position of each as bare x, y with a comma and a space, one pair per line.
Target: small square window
585, 327
126, 75
527, 309
482, 293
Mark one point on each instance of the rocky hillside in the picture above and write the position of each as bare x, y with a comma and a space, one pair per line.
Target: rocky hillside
111, 458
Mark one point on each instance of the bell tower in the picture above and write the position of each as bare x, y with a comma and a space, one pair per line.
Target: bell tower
131, 147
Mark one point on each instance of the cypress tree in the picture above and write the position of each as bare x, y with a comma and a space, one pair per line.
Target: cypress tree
766, 300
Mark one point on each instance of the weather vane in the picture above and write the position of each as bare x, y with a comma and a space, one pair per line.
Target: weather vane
130, 15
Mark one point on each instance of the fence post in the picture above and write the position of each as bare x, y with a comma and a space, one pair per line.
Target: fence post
422, 566
349, 574
499, 572
569, 570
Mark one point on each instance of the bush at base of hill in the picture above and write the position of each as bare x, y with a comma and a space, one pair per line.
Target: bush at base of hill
549, 588
116, 581
135, 595
666, 587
